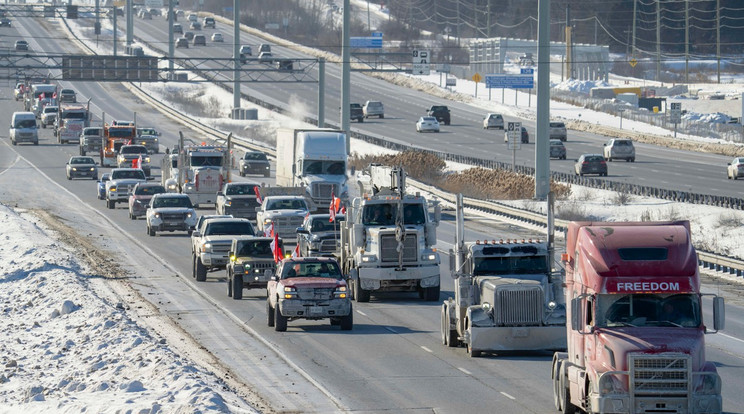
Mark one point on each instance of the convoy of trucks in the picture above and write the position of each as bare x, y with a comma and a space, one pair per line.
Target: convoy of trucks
388, 239
313, 158
635, 325
114, 137
507, 297
71, 119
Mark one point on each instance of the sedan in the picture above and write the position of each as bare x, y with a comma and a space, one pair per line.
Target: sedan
591, 164
557, 149
79, 166
182, 42
427, 124
735, 168
21, 45
217, 37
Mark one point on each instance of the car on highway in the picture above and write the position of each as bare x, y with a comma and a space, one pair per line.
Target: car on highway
264, 47
209, 22
319, 236
148, 131
245, 51
170, 212
48, 115
308, 288
177, 28
151, 142
101, 185
440, 112
193, 17
238, 199
21, 45
373, 108
81, 167
188, 35
217, 38
23, 128
591, 164
356, 112
523, 134
493, 121
139, 201
121, 185
20, 88
200, 40
195, 26
5, 22
735, 168
67, 95
557, 149
265, 57
427, 124
619, 148
558, 131
254, 162
249, 259
182, 42
90, 140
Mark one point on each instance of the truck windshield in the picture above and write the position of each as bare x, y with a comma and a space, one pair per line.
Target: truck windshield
206, 161
255, 156
229, 228
135, 174
324, 167
171, 202
73, 115
133, 150
647, 309
511, 265
290, 204
311, 269
261, 248
26, 123
385, 214
240, 189
120, 132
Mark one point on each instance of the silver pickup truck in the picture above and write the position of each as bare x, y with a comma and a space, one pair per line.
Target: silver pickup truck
90, 140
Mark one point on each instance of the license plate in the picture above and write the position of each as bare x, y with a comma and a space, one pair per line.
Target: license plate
315, 310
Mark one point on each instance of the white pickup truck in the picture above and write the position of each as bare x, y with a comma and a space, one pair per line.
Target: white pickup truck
211, 244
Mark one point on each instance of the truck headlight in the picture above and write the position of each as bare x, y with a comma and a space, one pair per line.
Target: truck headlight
156, 215
189, 215
369, 258
92, 168
74, 168
228, 203
290, 292
147, 160
608, 384
711, 384
315, 245
267, 221
340, 292
428, 257
206, 247
171, 186
112, 189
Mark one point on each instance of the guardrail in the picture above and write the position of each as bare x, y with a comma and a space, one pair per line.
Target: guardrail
707, 260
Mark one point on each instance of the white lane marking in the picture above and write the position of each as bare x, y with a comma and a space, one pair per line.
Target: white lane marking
507, 395
391, 329
426, 349
15, 161
730, 337
465, 371
361, 313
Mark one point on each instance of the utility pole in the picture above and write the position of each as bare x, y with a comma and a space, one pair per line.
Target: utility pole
687, 41
718, 38
458, 24
346, 75
569, 46
542, 142
658, 40
130, 23
236, 53
171, 48
488, 19
635, 5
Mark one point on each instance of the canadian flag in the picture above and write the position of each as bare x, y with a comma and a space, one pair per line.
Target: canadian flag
334, 208
269, 230
42, 95
276, 248
258, 194
54, 95
296, 251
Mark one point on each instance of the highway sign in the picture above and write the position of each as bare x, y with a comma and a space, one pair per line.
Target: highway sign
510, 81
633, 62
477, 78
514, 135
374, 42
675, 112
451, 82
527, 71
421, 62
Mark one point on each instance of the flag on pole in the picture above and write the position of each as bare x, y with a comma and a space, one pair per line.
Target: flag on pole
258, 194
343, 210
334, 208
269, 230
276, 248
42, 96
54, 95
296, 251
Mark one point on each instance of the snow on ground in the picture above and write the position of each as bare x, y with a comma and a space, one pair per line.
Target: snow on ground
68, 348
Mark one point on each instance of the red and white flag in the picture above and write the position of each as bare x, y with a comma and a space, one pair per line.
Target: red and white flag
296, 251
258, 194
54, 95
334, 208
42, 96
269, 230
276, 248
342, 210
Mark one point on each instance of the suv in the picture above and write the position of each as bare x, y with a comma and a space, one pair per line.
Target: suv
244, 51
121, 185
440, 112
48, 115
139, 201
254, 162
621, 148
250, 258
558, 131
373, 108
182, 42
177, 28
170, 212
356, 112
493, 121
209, 22
319, 236
211, 243
308, 288
200, 40
238, 199
90, 140
129, 153
67, 95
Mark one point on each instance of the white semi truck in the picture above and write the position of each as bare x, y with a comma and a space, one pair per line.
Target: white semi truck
506, 296
315, 159
72, 118
388, 238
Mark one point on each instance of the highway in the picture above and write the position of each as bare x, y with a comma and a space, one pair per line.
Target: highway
393, 360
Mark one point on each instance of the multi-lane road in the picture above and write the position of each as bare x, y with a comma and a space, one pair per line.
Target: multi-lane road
392, 361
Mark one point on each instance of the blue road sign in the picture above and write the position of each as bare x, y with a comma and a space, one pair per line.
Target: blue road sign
510, 81
366, 42
526, 71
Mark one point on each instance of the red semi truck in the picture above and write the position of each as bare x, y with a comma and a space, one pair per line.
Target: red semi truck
634, 322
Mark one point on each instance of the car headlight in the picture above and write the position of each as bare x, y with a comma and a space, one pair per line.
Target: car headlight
340, 292
369, 258
428, 257
171, 186
711, 384
189, 215
74, 168
112, 189
228, 203
147, 160
206, 247
157, 215
267, 221
290, 292
92, 168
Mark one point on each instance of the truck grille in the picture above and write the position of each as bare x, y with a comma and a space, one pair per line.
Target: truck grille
667, 374
173, 217
287, 226
221, 248
389, 252
519, 306
324, 190
328, 245
244, 203
314, 294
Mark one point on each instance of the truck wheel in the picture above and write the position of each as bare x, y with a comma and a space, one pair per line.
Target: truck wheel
200, 270
449, 336
43, 125
280, 321
335, 321
237, 287
360, 294
565, 396
473, 353
241, 174
82, 151
269, 313
431, 294
347, 322
110, 204
131, 216
229, 285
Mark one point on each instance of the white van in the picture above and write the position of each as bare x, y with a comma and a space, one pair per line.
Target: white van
23, 128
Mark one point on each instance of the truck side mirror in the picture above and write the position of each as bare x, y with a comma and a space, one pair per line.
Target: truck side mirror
576, 319
437, 213
196, 234
258, 208
302, 230
719, 314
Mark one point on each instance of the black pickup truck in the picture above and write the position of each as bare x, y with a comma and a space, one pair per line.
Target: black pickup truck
356, 112
440, 112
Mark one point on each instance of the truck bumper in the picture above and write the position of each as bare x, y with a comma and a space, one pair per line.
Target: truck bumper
314, 310
521, 338
621, 404
241, 212
213, 260
202, 198
388, 278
